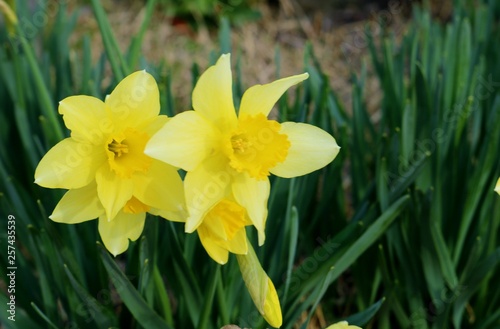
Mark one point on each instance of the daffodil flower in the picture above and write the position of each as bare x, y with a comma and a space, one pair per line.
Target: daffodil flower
497, 188
342, 325
229, 154
223, 230
104, 166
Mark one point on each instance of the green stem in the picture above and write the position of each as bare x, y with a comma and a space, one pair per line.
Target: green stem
222, 301
209, 298
41, 87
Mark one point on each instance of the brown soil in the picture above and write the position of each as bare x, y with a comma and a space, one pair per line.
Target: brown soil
337, 37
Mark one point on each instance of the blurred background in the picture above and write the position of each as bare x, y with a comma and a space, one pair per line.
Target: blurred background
183, 32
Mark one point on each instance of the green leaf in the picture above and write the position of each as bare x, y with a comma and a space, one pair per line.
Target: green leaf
371, 235
115, 56
135, 45
361, 319
347, 258
141, 311
443, 255
293, 219
162, 296
481, 180
317, 295
471, 284
43, 94
209, 299
225, 36
43, 316
21, 318
103, 317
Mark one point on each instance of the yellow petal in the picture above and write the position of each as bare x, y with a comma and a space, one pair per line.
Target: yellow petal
253, 195
260, 287
342, 325
213, 225
135, 206
311, 149
214, 250
497, 188
204, 187
152, 127
113, 191
160, 187
185, 141
213, 94
69, 164
174, 216
238, 244
223, 230
78, 205
261, 98
134, 101
116, 233
86, 117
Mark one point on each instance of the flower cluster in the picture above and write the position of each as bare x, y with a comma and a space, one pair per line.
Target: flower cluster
122, 157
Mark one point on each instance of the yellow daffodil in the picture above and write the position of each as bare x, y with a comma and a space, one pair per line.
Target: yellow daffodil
223, 230
497, 188
225, 153
342, 325
104, 166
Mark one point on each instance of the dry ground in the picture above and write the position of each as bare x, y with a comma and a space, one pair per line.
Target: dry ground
337, 37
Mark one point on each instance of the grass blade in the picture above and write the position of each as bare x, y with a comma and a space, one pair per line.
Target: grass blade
141, 311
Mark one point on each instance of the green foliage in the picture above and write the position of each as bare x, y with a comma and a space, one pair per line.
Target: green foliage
404, 223
440, 118
199, 12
